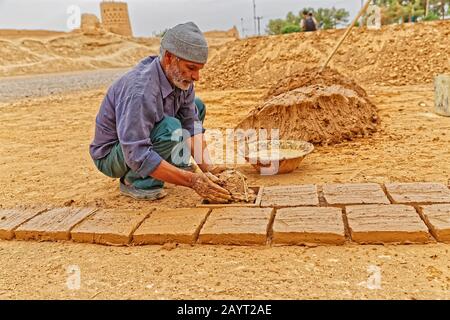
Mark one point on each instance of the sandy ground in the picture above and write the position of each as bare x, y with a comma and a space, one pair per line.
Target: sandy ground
45, 270
45, 155
45, 160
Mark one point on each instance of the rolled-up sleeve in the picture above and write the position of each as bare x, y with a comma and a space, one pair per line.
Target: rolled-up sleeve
135, 120
188, 115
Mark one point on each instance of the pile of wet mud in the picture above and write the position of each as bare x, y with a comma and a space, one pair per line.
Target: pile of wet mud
322, 108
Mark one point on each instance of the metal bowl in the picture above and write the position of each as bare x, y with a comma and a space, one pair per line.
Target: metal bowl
271, 157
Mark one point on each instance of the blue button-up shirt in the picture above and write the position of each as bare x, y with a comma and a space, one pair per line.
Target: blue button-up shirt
131, 108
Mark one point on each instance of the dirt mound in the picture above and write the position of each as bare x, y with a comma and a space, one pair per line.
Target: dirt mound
70, 52
319, 113
313, 76
395, 55
32, 52
16, 33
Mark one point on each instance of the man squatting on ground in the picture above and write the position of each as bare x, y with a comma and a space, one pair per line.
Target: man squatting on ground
137, 133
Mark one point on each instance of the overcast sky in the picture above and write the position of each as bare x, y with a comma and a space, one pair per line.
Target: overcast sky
149, 16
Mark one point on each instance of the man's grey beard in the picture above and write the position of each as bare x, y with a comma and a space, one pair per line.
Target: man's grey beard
177, 78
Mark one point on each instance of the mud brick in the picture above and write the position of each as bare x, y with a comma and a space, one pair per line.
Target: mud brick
290, 196
236, 226
11, 219
296, 226
177, 226
365, 193
428, 193
52, 225
109, 227
437, 217
377, 224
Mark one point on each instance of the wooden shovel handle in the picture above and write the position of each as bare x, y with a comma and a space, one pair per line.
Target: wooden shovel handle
350, 27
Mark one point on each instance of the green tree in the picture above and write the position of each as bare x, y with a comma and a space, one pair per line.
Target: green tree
340, 16
290, 28
331, 18
395, 11
412, 10
324, 17
431, 17
291, 18
438, 7
392, 11
275, 26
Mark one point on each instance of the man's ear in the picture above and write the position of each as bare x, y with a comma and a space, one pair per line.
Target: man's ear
168, 57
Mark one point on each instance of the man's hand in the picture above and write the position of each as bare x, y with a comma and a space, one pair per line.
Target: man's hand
209, 190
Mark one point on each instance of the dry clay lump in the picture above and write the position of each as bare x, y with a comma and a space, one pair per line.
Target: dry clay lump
321, 108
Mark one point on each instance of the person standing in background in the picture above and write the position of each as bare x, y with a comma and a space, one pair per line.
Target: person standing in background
308, 23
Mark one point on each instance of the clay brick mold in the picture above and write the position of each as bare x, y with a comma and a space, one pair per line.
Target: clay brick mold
236, 226
53, 225
421, 193
171, 226
437, 217
290, 196
11, 219
379, 224
345, 194
114, 227
299, 226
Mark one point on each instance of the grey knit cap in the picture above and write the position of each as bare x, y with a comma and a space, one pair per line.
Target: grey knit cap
187, 42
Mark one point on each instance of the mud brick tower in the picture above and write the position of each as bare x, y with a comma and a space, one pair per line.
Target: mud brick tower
115, 17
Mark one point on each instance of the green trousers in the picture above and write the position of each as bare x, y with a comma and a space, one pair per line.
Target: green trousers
114, 165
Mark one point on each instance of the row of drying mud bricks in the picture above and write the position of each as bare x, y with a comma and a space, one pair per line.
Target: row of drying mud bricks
286, 215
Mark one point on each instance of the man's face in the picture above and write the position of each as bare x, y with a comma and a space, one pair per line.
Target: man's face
183, 73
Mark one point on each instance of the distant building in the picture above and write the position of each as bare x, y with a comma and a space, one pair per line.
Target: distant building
90, 25
115, 17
